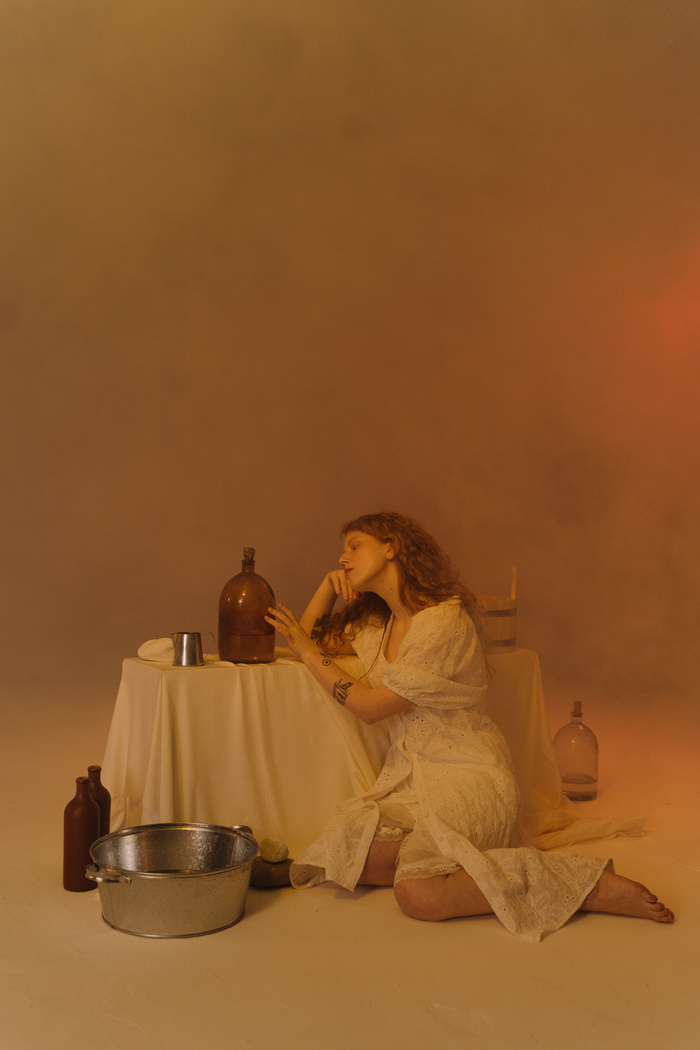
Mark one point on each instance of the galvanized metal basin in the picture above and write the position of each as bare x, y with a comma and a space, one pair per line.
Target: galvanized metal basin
173, 880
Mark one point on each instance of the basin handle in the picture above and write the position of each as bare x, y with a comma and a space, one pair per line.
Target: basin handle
96, 874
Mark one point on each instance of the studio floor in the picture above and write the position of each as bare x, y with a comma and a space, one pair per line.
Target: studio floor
324, 968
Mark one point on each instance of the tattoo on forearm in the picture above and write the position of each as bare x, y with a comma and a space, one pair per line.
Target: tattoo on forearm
326, 661
319, 627
341, 690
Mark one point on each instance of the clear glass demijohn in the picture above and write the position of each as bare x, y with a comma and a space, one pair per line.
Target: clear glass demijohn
576, 754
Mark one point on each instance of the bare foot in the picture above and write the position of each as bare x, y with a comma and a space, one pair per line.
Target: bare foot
617, 895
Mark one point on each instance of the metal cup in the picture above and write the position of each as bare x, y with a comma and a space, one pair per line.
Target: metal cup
188, 649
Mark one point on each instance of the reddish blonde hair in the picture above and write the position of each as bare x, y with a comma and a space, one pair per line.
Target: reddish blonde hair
427, 577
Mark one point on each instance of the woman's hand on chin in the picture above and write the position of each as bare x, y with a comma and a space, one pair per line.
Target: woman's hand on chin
285, 622
341, 585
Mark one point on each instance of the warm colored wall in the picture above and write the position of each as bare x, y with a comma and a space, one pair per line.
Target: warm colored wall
268, 265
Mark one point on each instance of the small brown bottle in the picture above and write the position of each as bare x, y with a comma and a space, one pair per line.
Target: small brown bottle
245, 637
102, 797
81, 827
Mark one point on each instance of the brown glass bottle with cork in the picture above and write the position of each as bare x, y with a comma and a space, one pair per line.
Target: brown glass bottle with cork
101, 796
245, 637
81, 827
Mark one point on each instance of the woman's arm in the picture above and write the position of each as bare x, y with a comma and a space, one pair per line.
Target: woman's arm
370, 703
321, 605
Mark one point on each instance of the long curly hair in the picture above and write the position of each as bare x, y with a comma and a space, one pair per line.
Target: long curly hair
427, 577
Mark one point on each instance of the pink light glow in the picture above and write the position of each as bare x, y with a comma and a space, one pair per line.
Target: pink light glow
673, 317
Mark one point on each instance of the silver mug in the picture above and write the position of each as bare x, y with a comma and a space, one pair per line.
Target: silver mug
188, 648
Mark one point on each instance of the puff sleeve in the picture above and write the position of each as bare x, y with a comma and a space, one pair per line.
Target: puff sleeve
440, 663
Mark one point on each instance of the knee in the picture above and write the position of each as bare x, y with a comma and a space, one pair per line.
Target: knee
417, 898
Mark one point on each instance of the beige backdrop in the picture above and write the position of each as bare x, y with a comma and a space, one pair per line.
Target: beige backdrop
267, 265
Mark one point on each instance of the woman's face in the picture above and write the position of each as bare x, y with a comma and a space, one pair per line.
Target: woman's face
365, 560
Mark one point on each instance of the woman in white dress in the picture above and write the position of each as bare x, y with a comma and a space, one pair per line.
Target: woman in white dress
441, 825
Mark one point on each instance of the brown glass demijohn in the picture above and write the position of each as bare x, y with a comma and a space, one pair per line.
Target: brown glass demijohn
81, 827
101, 796
245, 637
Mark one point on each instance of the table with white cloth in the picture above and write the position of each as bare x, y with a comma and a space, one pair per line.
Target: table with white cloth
265, 745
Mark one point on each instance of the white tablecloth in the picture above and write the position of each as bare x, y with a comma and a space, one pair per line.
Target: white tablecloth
264, 745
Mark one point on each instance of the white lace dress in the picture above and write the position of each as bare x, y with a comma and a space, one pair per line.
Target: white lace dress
447, 787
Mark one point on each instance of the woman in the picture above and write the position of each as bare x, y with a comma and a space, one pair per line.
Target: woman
441, 824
